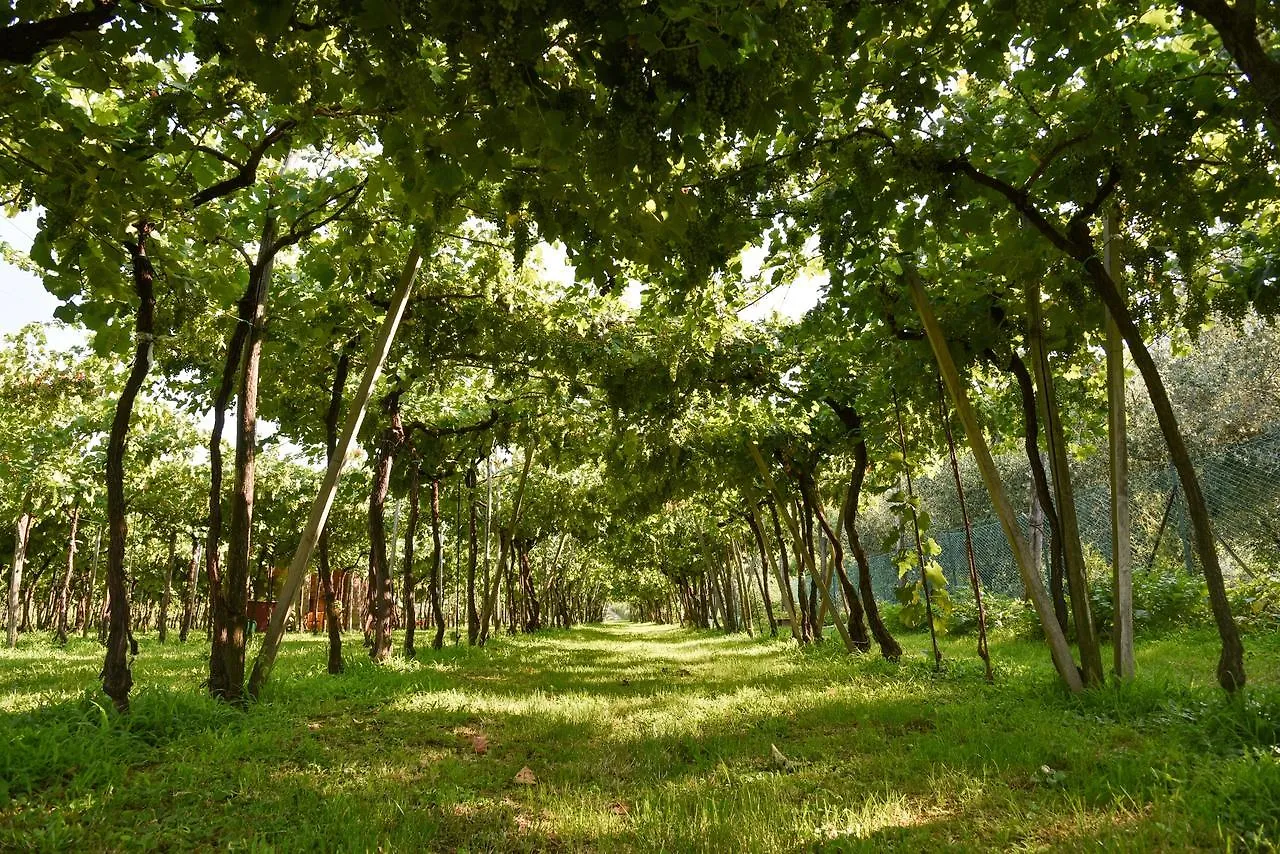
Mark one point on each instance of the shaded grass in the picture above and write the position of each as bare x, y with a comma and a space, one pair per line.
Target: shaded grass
642, 738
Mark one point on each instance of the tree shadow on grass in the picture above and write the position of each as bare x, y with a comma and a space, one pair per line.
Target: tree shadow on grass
640, 739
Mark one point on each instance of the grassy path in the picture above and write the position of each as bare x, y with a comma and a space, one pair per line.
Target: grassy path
641, 738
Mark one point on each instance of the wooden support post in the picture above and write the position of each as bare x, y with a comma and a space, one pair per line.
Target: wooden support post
1117, 436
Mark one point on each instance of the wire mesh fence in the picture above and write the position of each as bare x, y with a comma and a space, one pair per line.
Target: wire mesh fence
1241, 485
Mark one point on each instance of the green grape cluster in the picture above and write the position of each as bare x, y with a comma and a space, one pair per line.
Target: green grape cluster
503, 78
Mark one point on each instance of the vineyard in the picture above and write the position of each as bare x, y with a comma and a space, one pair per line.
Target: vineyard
681, 425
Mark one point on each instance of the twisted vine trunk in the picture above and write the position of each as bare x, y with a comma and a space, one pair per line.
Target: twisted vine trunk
513, 603
333, 611
60, 621
235, 587
533, 608
794, 606
857, 627
473, 616
22, 534
220, 614
754, 450
117, 672
89, 587
189, 603
489, 585
817, 575
410, 534
764, 576
437, 566
381, 602
1040, 480
166, 599
1086, 632
852, 419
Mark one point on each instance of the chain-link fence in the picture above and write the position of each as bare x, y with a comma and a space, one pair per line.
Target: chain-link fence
1241, 485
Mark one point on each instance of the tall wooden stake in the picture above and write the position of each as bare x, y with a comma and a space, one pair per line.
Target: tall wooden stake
1117, 436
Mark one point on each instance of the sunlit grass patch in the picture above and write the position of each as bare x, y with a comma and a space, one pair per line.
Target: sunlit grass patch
640, 738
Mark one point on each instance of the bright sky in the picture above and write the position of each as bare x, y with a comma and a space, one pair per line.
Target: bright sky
23, 298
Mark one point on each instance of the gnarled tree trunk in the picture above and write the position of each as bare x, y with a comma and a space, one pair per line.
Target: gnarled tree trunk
235, 586
473, 615
117, 673
89, 588
410, 534
381, 603
60, 621
1086, 632
167, 597
1040, 482
220, 614
763, 578
22, 533
889, 647
333, 611
189, 601
437, 566
857, 627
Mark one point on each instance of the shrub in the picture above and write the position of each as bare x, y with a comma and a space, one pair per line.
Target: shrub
1164, 596
1003, 613
1255, 602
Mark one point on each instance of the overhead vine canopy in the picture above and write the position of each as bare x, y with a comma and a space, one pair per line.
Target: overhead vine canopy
232, 197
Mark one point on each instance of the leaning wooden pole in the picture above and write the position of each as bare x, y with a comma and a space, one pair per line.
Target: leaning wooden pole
1117, 437
1034, 585
266, 659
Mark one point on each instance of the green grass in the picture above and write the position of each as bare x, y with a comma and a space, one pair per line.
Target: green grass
642, 738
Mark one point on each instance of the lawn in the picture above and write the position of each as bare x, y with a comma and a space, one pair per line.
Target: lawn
642, 738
